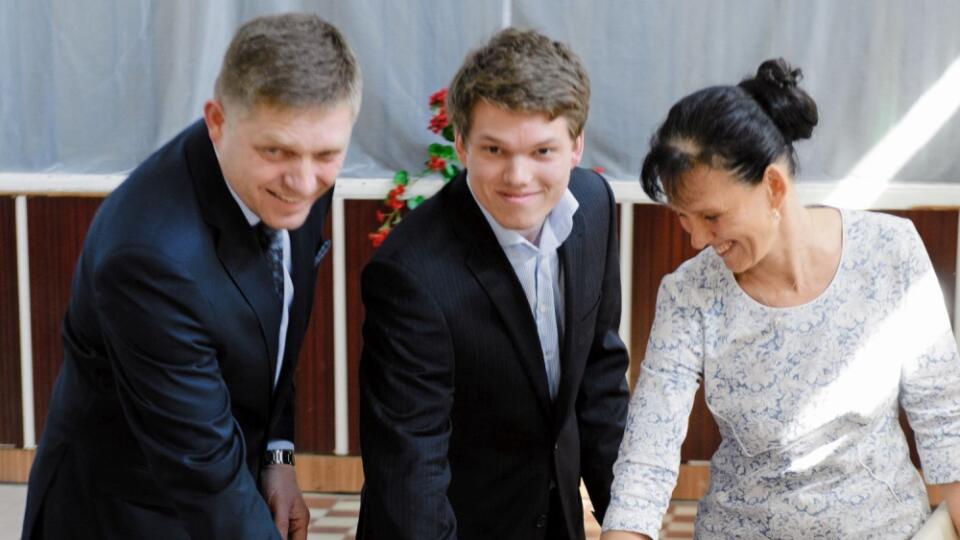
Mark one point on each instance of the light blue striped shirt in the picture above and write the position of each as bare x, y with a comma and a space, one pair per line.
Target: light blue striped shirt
538, 270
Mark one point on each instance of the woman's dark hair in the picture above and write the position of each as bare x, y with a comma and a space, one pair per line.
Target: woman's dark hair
742, 129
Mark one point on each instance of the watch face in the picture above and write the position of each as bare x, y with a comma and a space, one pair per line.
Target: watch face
283, 457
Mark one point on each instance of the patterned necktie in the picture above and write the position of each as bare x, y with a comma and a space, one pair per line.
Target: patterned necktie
272, 243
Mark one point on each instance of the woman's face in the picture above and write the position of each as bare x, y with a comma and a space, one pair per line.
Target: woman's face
736, 219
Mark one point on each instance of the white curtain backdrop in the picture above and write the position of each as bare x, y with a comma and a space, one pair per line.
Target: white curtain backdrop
94, 86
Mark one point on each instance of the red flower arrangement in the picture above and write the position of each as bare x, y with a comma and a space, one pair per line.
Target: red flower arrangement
441, 159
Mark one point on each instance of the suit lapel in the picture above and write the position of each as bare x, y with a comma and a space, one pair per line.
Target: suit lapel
507, 297
242, 259
496, 276
571, 260
301, 262
236, 243
303, 273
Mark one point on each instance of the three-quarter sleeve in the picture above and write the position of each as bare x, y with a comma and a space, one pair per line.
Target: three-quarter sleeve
930, 377
646, 468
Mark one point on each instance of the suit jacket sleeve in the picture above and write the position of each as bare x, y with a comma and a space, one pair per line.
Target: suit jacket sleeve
156, 322
406, 395
284, 430
604, 396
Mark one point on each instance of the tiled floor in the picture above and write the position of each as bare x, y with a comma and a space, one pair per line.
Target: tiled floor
13, 497
334, 517
678, 523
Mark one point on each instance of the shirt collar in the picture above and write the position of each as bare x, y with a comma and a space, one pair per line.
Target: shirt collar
252, 218
556, 228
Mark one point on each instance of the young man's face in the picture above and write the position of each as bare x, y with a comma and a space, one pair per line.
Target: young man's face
519, 164
278, 160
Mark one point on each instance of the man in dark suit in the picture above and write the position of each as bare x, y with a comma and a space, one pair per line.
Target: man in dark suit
492, 377
173, 409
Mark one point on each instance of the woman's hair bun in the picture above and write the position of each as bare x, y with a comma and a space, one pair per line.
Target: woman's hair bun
775, 88
779, 73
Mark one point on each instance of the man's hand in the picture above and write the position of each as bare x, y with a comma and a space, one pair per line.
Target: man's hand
283, 496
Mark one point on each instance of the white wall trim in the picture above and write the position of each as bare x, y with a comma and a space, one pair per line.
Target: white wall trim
956, 288
59, 184
626, 273
506, 13
893, 197
341, 416
26, 328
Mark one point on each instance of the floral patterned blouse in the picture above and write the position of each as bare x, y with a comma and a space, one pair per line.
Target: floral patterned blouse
805, 397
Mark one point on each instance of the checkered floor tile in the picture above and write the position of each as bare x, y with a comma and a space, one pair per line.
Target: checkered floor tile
334, 517
678, 523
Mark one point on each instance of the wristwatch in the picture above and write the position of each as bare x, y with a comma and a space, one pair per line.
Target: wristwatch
278, 457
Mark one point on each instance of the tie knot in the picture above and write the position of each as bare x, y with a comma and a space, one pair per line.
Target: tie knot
268, 237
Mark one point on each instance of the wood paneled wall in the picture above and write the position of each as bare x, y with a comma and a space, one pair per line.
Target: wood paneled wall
938, 230
11, 417
57, 227
314, 380
360, 220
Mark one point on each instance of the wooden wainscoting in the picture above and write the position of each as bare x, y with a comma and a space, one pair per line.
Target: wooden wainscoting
315, 408
314, 377
56, 228
11, 417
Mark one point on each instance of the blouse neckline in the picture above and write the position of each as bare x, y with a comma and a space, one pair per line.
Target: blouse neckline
827, 291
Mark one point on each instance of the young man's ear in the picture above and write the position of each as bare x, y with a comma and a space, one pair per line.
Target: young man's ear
460, 146
577, 151
214, 118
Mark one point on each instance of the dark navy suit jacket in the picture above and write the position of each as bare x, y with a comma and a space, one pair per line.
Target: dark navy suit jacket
164, 403
459, 436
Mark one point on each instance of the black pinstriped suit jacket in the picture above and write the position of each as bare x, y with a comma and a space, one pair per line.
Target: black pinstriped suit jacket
459, 436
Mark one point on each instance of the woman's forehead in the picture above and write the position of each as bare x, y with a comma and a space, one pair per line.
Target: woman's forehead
704, 188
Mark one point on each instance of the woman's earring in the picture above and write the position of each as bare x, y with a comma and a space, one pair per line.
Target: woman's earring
776, 214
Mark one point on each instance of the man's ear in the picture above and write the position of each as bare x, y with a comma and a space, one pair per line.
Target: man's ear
460, 146
214, 117
776, 181
577, 151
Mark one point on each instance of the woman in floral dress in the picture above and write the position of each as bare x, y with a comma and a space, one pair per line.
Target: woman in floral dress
809, 326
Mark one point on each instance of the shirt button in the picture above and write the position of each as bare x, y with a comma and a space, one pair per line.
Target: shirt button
543, 309
541, 521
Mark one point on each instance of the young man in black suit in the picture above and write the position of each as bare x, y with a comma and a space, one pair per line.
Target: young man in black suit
172, 415
492, 376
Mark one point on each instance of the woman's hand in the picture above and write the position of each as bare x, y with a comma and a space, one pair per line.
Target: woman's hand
951, 494
623, 535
